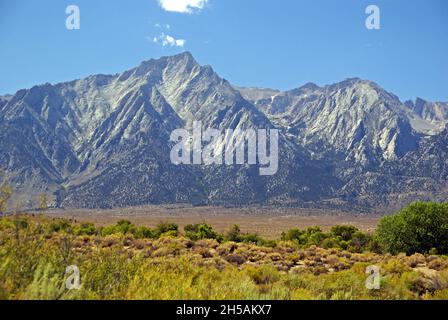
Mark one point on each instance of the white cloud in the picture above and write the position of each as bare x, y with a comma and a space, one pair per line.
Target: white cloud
169, 41
183, 6
159, 26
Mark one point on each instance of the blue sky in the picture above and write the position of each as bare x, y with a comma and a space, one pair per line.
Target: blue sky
279, 44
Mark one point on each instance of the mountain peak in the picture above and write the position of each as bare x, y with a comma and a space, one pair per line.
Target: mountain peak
103, 141
185, 56
310, 86
357, 81
365, 87
420, 101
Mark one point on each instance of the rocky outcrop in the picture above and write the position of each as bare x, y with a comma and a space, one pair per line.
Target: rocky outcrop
103, 141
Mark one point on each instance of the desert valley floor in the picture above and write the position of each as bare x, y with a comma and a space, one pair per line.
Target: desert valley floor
266, 222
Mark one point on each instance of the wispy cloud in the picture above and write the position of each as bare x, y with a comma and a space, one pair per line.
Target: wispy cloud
182, 6
159, 26
168, 41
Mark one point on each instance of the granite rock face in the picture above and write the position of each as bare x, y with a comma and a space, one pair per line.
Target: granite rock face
104, 141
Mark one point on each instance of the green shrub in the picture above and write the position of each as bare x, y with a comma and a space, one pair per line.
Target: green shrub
267, 243
374, 245
418, 228
234, 234
201, 231
145, 233
165, 227
125, 227
291, 235
316, 238
359, 242
251, 238
311, 236
308, 237
345, 232
343, 237
86, 229
330, 243
108, 230
263, 275
61, 225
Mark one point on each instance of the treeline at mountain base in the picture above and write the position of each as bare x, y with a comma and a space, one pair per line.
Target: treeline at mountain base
125, 261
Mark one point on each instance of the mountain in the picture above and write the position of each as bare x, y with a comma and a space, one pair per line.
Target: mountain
256, 94
360, 129
104, 141
435, 114
355, 120
419, 175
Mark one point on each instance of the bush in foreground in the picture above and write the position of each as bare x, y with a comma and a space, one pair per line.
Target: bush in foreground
201, 231
419, 228
34, 257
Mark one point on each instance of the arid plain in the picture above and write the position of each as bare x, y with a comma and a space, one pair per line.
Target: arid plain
265, 221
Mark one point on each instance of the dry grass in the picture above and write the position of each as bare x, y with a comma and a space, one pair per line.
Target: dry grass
33, 260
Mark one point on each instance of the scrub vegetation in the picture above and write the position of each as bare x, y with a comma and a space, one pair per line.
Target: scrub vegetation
126, 261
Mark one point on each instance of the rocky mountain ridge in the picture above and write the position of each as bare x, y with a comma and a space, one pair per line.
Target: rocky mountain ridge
103, 141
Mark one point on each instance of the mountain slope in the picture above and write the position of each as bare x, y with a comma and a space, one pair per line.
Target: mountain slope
355, 119
104, 141
114, 147
419, 175
434, 114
